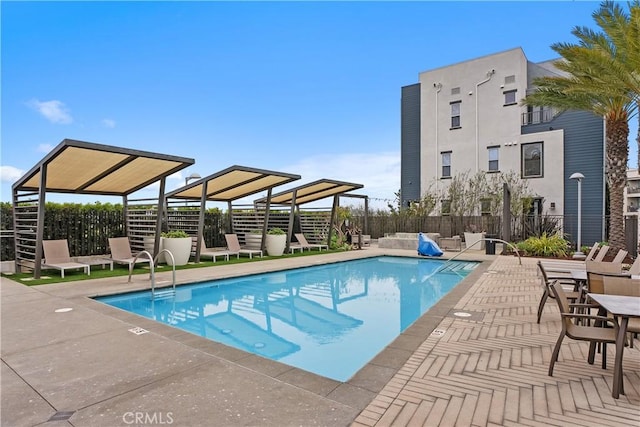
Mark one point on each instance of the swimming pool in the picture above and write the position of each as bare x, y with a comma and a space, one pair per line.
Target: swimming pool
330, 319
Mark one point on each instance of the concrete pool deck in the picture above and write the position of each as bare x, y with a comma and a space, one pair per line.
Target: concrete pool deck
85, 367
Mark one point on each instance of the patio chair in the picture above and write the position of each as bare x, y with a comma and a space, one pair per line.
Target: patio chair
573, 293
121, 252
617, 285
594, 334
214, 253
596, 272
233, 245
56, 256
304, 244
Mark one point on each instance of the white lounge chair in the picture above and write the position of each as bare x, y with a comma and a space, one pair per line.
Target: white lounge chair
304, 244
213, 253
233, 245
121, 252
56, 256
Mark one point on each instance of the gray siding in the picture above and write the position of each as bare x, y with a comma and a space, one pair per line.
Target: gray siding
584, 153
410, 143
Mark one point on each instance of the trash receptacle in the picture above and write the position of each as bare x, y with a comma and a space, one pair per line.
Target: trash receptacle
490, 245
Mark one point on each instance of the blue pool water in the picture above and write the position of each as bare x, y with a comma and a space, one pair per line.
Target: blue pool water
330, 319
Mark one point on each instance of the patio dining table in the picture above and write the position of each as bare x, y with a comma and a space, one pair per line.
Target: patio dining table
622, 307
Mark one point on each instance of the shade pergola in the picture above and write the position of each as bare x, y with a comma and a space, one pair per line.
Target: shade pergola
228, 185
81, 167
311, 192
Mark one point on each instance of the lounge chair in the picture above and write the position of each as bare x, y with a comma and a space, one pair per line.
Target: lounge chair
634, 270
121, 252
233, 245
56, 256
213, 253
620, 256
304, 244
595, 254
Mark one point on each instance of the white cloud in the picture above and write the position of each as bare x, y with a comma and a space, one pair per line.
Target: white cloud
10, 174
54, 111
109, 123
45, 148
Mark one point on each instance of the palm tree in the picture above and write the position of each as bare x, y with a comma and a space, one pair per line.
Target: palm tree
601, 77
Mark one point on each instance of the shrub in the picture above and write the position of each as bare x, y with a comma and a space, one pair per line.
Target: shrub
175, 234
276, 231
546, 246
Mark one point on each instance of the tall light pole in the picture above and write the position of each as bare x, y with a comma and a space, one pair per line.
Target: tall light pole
579, 177
190, 177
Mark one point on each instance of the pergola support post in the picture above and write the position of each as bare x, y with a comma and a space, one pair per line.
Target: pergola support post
263, 245
292, 215
159, 217
334, 212
42, 195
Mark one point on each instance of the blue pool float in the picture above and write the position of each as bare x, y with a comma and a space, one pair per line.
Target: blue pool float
427, 246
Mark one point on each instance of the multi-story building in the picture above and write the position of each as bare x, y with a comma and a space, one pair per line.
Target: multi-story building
632, 194
468, 117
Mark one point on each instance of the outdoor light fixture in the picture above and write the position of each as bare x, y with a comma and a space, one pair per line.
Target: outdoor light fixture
190, 177
579, 177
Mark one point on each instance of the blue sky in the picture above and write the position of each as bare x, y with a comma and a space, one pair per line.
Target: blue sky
299, 87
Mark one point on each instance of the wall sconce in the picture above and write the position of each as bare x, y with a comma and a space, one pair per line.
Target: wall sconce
553, 205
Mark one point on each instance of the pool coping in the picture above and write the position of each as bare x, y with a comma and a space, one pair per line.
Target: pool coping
355, 393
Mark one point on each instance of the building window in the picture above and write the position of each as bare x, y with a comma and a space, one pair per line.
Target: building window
485, 207
532, 160
510, 97
446, 164
446, 207
455, 114
493, 159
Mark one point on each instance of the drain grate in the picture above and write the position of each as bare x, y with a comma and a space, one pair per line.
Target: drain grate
61, 416
138, 331
437, 333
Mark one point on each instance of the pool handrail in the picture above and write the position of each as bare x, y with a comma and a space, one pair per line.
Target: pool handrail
152, 270
480, 240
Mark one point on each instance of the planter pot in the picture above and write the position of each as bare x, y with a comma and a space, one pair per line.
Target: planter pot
253, 240
471, 239
148, 246
275, 244
180, 248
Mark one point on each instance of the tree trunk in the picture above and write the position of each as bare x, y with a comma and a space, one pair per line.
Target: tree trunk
617, 154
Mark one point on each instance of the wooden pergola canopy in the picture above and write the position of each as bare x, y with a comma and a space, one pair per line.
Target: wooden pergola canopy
232, 183
79, 167
316, 190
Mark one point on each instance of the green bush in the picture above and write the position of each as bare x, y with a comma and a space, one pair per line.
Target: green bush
545, 246
174, 234
276, 231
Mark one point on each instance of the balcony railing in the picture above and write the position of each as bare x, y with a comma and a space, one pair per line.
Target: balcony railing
538, 116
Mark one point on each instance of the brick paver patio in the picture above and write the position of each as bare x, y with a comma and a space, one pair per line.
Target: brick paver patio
490, 368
